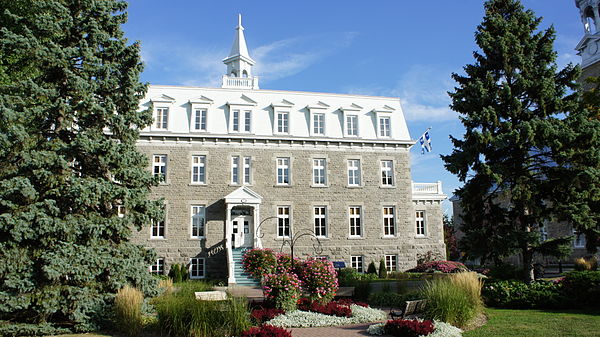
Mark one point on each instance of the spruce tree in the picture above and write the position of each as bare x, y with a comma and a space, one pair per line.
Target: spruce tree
69, 122
513, 102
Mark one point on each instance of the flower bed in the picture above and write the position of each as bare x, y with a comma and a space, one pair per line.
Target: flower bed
331, 308
441, 329
305, 319
266, 331
262, 315
439, 266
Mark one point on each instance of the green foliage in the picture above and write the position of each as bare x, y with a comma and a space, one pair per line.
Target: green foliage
178, 273
520, 295
372, 269
392, 300
522, 127
382, 269
180, 314
455, 299
505, 271
586, 263
583, 287
282, 290
9, 329
128, 310
69, 94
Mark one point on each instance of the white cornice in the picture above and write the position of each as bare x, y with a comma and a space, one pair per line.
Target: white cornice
162, 98
282, 104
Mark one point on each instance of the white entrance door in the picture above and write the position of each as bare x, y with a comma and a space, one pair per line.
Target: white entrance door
242, 231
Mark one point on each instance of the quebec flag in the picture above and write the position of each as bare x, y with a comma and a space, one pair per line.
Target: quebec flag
425, 142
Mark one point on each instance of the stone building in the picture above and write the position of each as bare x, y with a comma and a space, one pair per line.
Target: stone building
243, 167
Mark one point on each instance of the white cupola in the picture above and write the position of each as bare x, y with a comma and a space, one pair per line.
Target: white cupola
589, 46
239, 63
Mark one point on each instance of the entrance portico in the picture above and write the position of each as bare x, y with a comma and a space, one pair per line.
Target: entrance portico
241, 221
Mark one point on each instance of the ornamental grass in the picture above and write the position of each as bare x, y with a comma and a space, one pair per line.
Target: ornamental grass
128, 310
455, 299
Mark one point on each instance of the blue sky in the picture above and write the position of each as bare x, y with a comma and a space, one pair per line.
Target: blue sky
405, 49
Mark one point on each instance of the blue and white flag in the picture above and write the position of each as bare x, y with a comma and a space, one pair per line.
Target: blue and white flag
425, 142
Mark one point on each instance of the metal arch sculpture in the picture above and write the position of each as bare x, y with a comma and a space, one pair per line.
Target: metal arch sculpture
291, 241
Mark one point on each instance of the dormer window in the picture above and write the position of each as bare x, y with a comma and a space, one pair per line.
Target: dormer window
352, 125
385, 126
161, 118
241, 120
199, 120
318, 124
283, 122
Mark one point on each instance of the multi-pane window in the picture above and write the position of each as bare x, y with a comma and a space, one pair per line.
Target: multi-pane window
199, 169
319, 124
157, 229
391, 262
247, 120
283, 171
385, 127
197, 268
320, 221
235, 170
319, 177
420, 222
354, 172
247, 170
283, 221
283, 122
357, 263
235, 123
387, 173
159, 166
352, 125
354, 215
389, 225
158, 267
162, 117
579, 241
543, 234
198, 221
199, 120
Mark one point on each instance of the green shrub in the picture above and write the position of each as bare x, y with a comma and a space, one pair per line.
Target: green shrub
455, 299
180, 314
347, 277
128, 310
178, 273
382, 269
520, 295
586, 263
392, 300
505, 272
371, 269
583, 287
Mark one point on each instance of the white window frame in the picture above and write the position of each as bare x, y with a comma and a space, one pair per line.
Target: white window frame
194, 269
354, 217
247, 121
158, 229
284, 221
386, 167
320, 221
158, 267
235, 170
247, 170
197, 221
198, 170
318, 124
384, 130
421, 223
351, 129
578, 240
391, 262
319, 169
235, 120
388, 214
159, 167
199, 119
161, 118
354, 172
282, 122
357, 263
283, 170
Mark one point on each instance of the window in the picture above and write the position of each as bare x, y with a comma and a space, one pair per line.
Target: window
320, 221
579, 241
283, 125
391, 262
199, 120
420, 222
247, 170
159, 167
319, 177
355, 220
389, 224
357, 263
157, 229
162, 117
384, 127
283, 221
247, 120
198, 169
236, 121
197, 267
387, 173
351, 125
198, 220
319, 124
158, 267
543, 234
235, 170
283, 171
354, 172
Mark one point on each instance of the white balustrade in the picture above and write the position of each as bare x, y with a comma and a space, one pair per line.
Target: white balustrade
240, 82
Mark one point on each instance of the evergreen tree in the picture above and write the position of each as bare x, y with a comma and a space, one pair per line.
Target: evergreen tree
68, 126
513, 104
371, 269
382, 269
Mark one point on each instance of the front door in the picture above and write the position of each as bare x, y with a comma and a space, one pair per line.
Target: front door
242, 231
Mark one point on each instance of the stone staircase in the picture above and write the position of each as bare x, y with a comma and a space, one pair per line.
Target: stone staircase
241, 277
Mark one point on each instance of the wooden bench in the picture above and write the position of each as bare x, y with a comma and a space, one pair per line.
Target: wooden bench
410, 308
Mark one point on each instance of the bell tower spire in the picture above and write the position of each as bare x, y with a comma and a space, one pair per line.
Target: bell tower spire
239, 63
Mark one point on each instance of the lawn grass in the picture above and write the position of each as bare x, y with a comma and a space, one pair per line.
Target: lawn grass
534, 323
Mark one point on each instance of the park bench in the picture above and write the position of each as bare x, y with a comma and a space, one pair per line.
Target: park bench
411, 308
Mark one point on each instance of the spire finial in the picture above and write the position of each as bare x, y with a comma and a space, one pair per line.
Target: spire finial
239, 20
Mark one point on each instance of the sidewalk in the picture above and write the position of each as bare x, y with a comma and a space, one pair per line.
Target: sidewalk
333, 331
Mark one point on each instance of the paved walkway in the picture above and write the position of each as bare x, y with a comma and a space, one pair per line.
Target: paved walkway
333, 331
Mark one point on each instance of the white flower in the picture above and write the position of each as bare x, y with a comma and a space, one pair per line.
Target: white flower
305, 319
